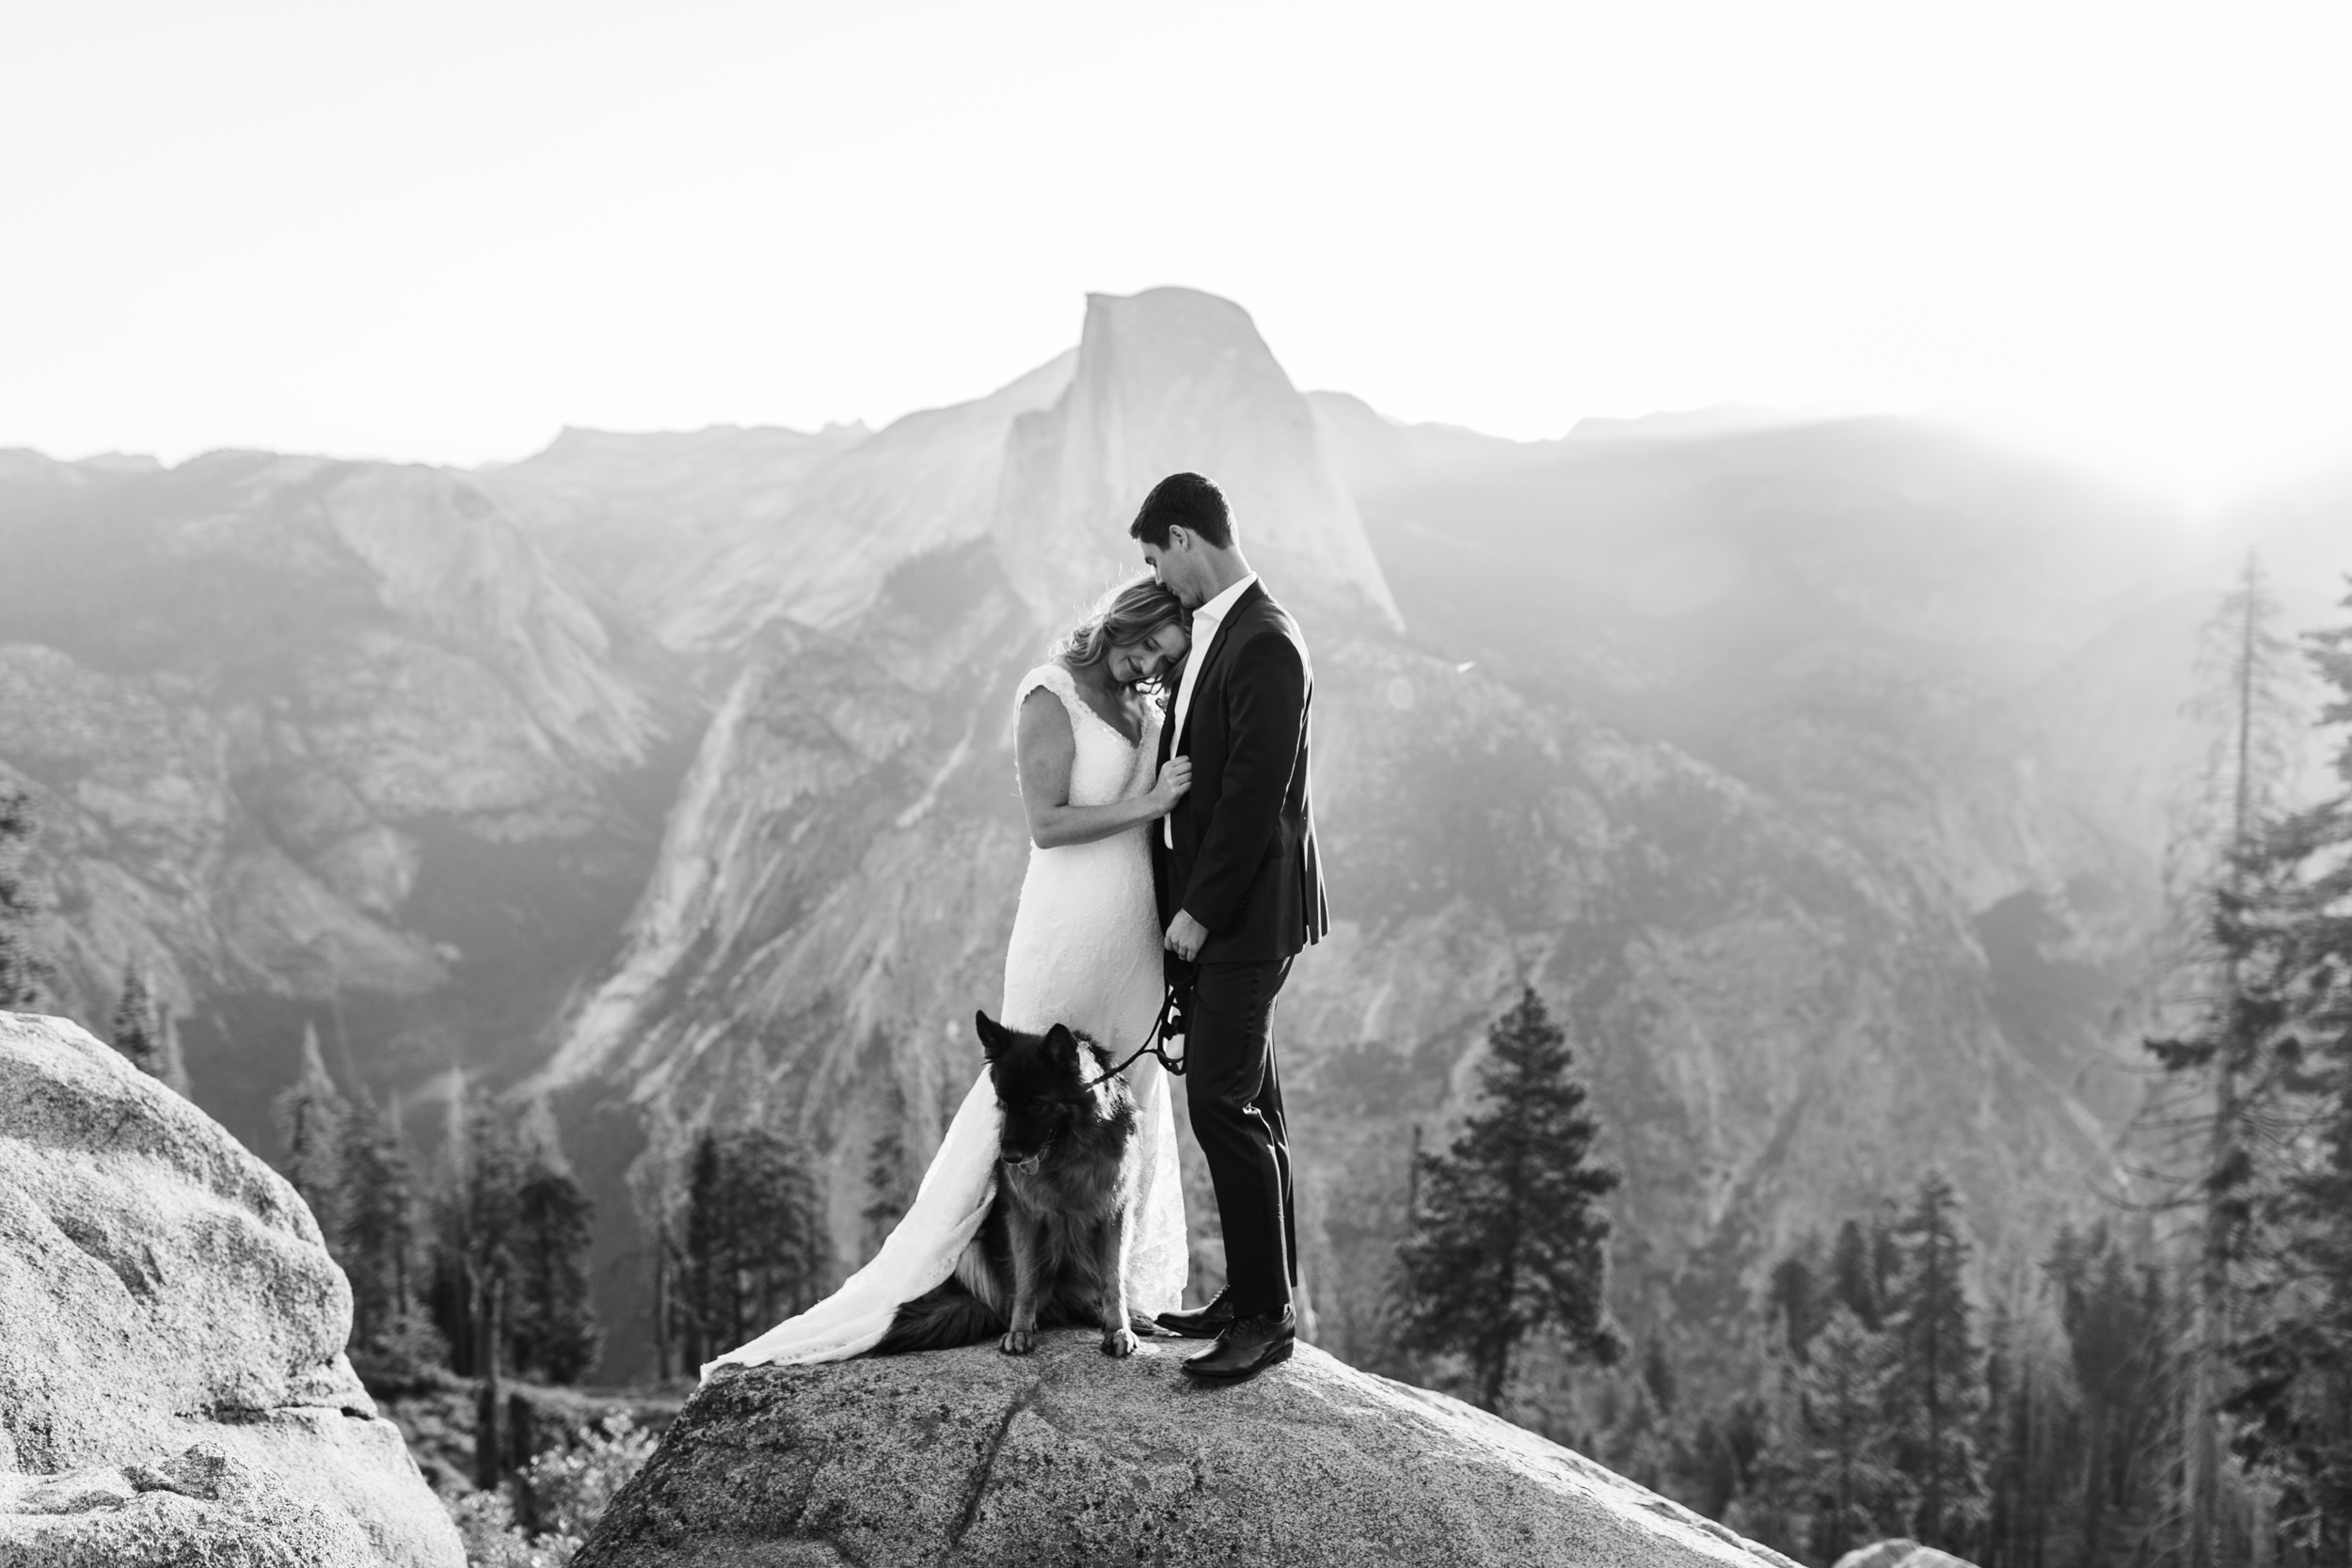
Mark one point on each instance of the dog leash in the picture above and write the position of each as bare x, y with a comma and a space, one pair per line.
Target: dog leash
1155, 1044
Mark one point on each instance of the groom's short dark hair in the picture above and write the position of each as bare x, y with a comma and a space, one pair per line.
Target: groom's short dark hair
1188, 501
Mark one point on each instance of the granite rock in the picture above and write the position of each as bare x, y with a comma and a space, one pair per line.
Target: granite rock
171, 1334
207, 1506
1065, 1457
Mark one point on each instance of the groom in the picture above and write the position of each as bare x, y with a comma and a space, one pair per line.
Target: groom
1242, 893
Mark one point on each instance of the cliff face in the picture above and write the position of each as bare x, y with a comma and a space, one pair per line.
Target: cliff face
302, 731
712, 536
661, 524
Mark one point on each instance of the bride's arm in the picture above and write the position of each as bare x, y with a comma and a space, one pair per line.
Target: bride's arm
1047, 749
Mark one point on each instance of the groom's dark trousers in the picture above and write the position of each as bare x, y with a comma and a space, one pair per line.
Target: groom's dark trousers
1240, 858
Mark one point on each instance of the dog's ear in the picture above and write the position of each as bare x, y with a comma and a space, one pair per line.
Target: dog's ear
992, 1034
1061, 1043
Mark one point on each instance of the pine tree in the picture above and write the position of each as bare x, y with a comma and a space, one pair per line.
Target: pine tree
2297, 1364
477, 1231
2115, 1322
2030, 1436
138, 1030
2223, 899
554, 1334
1887, 1258
1936, 1387
1794, 1296
705, 1284
378, 1236
887, 1194
670, 1318
24, 973
309, 1115
1856, 1494
756, 1248
1854, 1275
1657, 1374
1510, 1236
2005, 1442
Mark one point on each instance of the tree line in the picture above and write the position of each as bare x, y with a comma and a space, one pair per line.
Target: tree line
1889, 1382
2168, 1381
477, 1264
1878, 1408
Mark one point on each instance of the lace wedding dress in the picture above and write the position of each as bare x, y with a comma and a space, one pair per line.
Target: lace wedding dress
1085, 952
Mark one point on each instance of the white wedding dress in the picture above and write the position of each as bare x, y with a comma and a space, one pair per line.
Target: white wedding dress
1085, 952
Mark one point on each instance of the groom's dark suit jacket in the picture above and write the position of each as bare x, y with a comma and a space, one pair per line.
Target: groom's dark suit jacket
1243, 862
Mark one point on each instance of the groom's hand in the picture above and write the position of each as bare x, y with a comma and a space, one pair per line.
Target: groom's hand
1185, 936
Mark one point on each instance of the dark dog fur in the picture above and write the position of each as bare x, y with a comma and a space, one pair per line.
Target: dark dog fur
1050, 1253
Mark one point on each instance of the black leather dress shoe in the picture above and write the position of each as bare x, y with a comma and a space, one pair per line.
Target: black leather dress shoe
1247, 1346
1204, 1324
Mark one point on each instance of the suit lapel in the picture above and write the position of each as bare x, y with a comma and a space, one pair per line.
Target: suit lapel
1249, 596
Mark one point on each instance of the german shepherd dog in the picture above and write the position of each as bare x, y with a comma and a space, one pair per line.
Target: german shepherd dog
1052, 1250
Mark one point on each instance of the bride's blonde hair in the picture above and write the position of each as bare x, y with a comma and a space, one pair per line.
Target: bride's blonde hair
1120, 619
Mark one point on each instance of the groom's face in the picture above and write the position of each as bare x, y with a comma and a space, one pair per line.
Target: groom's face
1179, 567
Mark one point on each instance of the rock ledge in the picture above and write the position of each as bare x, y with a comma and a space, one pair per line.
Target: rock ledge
1065, 1457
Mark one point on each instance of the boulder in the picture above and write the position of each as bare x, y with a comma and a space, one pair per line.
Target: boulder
167, 1309
206, 1505
1067, 1457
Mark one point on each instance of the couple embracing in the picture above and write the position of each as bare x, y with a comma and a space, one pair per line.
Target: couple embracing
1163, 756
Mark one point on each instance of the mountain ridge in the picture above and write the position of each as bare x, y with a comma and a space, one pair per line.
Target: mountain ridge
1816, 775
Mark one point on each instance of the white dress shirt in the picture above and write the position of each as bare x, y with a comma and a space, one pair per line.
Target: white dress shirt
1205, 621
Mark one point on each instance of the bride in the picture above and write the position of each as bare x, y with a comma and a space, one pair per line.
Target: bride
1085, 952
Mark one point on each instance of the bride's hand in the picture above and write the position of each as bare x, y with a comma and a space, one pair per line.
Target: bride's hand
1175, 778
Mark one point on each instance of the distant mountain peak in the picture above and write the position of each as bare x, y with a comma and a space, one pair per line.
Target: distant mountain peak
1168, 380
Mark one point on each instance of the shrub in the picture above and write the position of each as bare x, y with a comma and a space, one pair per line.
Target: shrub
561, 1493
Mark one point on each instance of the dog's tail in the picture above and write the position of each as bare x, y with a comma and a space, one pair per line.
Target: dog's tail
942, 1319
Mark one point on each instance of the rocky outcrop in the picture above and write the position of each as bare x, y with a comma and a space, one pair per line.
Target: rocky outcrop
977, 1458
171, 1333
206, 1505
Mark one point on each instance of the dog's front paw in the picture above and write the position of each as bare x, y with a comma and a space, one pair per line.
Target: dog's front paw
1119, 1343
1019, 1341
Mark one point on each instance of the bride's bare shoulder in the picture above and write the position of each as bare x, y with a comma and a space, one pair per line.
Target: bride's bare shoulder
1043, 702
1050, 677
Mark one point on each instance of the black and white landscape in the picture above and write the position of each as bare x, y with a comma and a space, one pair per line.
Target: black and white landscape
1817, 771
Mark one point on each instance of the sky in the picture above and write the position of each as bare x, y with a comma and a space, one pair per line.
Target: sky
440, 232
